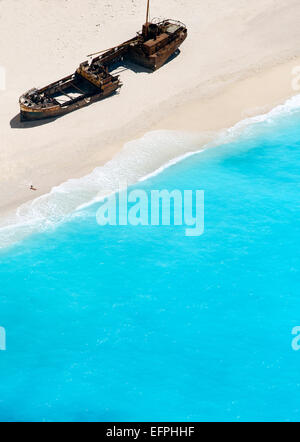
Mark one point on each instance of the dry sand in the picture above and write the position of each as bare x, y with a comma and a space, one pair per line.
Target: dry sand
236, 62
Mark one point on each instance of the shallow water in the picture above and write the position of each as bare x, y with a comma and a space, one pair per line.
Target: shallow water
146, 324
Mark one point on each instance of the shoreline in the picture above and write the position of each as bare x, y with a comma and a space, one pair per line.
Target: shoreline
193, 94
202, 116
50, 210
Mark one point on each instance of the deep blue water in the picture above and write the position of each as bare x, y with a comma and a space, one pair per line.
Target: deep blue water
146, 324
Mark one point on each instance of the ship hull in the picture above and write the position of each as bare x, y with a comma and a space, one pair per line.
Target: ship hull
28, 114
157, 60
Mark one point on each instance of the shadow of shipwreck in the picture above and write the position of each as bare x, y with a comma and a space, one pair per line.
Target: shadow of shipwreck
16, 123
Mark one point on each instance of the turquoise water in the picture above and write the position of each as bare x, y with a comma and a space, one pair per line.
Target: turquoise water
146, 324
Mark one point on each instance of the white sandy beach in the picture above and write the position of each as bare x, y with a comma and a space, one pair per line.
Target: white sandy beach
236, 62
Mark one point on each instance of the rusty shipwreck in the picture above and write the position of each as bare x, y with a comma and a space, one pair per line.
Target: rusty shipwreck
151, 48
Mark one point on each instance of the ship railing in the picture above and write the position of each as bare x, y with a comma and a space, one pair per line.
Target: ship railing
159, 21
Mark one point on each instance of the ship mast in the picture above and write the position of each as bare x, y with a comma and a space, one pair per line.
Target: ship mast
147, 16
146, 26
